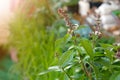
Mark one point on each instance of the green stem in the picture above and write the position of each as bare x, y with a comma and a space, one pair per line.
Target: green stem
82, 63
85, 69
94, 70
66, 74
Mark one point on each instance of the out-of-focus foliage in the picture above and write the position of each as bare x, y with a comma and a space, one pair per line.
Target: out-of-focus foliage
33, 37
5, 65
117, 13
70, 2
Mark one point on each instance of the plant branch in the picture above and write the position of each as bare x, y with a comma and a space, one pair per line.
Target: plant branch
66, 74
82, 63
85, 69
94, 70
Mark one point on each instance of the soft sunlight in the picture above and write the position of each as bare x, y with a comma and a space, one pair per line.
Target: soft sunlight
7, 8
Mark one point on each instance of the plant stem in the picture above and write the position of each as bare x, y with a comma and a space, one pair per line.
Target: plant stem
66, 74
85, 69
82, 63
94, 70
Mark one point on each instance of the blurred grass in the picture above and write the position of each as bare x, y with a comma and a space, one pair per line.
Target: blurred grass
35, 45
5, 65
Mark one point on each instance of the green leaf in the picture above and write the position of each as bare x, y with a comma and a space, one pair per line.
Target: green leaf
116, 13
96, 70
104, 61
87, 45
115, 76
116, 65
106, 46
66, 58
60, 43
98, 54
51, 69
108, 51
109, 54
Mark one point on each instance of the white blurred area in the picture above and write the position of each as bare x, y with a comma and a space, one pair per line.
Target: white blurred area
109, 23
7, 10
